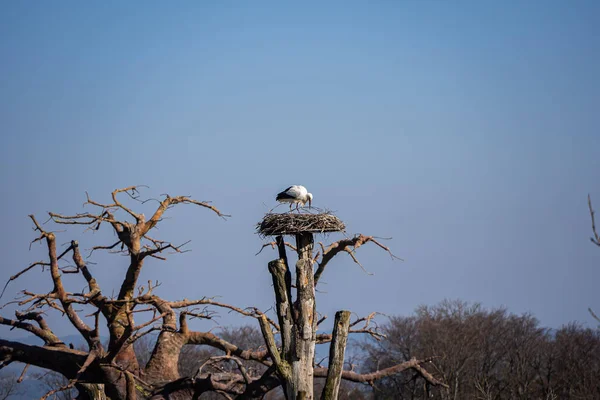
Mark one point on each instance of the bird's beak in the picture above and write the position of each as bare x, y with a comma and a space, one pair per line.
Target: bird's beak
309, 203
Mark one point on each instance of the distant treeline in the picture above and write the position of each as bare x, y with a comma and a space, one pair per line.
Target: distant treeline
486, 354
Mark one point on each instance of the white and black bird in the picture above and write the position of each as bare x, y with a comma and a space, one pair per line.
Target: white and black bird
295, 194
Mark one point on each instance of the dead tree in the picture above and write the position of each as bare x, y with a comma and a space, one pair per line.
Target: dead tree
112, 371
298, 322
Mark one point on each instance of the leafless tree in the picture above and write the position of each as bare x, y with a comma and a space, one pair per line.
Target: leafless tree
52, 380
487, 355
577, 363
114, 370
8, 386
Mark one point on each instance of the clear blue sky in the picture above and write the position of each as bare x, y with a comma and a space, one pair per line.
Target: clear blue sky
466, 130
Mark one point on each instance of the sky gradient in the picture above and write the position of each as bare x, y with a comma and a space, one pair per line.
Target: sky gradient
467, 131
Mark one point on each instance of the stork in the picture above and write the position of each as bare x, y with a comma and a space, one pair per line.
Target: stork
295, 194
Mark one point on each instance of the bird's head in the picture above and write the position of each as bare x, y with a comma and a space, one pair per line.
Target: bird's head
309, 196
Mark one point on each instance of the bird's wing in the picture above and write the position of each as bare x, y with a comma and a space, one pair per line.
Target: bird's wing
296, 191
293, 192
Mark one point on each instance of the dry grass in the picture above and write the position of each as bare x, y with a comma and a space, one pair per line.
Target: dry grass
293, 223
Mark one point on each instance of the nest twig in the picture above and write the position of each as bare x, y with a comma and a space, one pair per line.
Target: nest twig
292, 223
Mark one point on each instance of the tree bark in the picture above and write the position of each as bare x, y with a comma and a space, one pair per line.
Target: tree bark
279, 270
336, 355
91, 391
162, 366
304, 330
60, 359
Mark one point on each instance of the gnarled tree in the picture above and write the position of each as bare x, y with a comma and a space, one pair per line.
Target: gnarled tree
112, 370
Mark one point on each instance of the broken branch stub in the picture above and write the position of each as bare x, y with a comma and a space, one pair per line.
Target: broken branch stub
337, 349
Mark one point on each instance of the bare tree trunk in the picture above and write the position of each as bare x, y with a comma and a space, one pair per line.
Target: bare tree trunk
336, 355
162, 366
304, 330
282, 283
91, 391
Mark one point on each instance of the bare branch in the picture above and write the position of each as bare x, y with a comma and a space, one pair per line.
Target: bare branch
22, 376
281, 286
84, 219
112, 246
368, 320
370, 378
210, 339
237, 361
593, 314
160, 249
596, 238
336, 355
273, 244
171, 201
138, 217
282, 369
16, 276
57, 358
153, 320
43, 332
349, 246
59, 291
320, 321
248, 312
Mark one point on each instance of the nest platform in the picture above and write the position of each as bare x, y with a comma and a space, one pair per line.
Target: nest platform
293, 223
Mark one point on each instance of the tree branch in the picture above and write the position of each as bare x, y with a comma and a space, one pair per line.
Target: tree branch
369, 378
596, 238
273, 244
237, 361
282, 368
17, 275
59, 289
60, 359
258, 387
210, 339
336, 355
279, 270
44, 333
344, 245
171, 201
368, 320
138, 217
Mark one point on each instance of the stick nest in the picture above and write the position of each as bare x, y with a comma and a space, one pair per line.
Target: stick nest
291, 224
